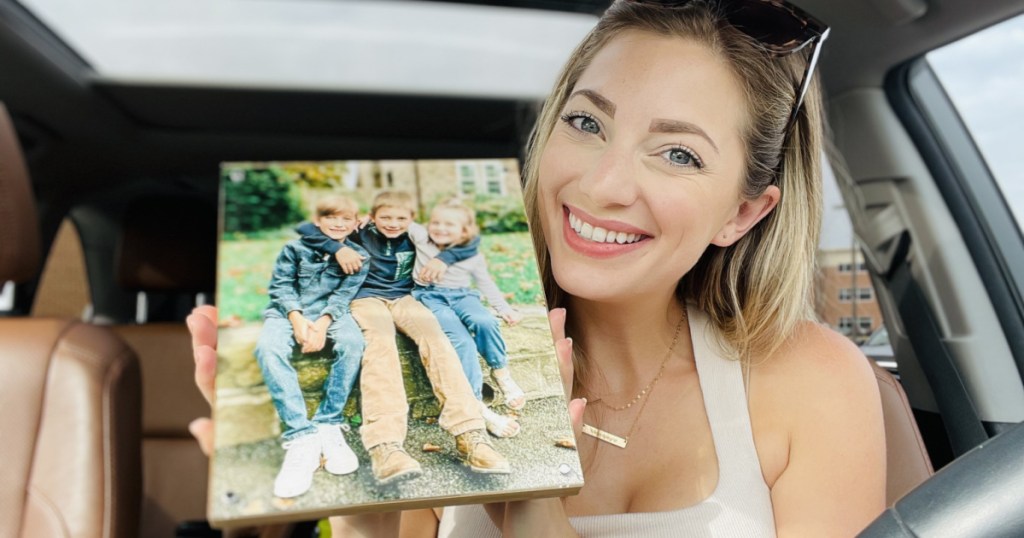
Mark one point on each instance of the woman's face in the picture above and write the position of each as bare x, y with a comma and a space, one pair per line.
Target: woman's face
644, 169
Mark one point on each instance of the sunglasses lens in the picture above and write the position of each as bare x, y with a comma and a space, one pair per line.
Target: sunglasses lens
767, 23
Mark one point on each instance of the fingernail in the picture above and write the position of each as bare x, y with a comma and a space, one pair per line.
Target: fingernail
569, 338
190, 323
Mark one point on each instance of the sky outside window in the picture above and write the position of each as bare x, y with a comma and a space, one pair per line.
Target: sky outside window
984, 76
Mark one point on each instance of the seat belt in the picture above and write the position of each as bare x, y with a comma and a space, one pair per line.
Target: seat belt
963, 425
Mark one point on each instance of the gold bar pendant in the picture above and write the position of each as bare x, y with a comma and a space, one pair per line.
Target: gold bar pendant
609, 438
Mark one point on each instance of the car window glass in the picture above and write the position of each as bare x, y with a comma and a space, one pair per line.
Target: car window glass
983, 76
879, 338
844, 296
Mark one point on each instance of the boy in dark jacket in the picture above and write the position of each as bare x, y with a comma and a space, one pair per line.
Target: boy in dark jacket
309, 307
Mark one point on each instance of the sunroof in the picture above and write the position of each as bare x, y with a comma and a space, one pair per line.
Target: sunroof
377, 46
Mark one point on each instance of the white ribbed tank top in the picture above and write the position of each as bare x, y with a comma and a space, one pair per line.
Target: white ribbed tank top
739, 506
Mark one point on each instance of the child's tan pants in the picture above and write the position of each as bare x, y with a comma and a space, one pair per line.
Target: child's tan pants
385, 409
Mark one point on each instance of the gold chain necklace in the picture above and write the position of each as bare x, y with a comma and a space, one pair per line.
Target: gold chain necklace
621, 442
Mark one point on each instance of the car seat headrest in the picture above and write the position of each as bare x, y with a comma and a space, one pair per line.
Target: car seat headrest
168, 244
20, 251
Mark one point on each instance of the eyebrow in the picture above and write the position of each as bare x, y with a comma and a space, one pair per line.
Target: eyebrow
676, 126
599, 101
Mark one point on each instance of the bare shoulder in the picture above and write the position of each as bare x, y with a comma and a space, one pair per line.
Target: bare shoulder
817, 390
817, 420
817, 362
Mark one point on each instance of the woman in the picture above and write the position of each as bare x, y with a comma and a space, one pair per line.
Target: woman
675, 176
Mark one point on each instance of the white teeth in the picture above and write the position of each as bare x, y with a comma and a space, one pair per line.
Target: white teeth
598, 234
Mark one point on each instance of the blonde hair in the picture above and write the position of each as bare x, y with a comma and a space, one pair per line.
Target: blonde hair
757, 290
457, 205
399, 199
333, 204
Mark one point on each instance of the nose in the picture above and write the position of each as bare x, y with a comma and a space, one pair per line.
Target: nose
612, 180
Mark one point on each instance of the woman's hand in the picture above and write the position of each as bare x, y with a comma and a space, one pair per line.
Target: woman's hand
544, 517
202, 323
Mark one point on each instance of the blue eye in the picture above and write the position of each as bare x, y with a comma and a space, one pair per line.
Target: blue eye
680, 156
583, 122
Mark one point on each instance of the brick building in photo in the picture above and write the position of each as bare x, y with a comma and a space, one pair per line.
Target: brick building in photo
434, 180
843, 295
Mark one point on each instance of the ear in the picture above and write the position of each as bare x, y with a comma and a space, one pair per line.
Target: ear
748, 214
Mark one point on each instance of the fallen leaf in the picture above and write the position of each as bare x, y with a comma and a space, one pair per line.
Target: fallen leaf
566, 442
430, 447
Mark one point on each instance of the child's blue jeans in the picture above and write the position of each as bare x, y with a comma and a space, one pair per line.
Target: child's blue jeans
471, 328
273, 353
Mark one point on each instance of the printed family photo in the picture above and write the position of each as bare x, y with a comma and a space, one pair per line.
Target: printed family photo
383, 342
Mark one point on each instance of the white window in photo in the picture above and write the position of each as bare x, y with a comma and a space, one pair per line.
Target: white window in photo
865, 294
467, 177
845, 295
483, 177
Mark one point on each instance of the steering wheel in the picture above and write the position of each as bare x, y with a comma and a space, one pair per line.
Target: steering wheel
980, 494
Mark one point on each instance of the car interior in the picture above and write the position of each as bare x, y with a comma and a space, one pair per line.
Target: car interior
108, 230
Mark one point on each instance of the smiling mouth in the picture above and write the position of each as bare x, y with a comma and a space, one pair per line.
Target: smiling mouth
598, 234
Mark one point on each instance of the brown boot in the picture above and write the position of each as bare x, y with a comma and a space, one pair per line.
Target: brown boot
391, 462
476, 449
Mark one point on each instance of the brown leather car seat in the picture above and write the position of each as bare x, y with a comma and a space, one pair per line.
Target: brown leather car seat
168, 245
907, 461
69, 394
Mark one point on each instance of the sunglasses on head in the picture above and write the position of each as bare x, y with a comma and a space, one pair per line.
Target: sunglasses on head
778, 26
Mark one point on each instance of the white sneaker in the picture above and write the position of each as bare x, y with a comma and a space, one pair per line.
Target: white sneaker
338, 457
301, 460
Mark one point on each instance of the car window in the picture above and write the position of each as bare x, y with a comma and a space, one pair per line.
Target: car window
983, 76
969, 93
844, 296
878, 338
